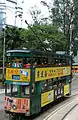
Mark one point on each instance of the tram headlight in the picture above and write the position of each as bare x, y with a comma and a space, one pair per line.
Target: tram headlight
14, 107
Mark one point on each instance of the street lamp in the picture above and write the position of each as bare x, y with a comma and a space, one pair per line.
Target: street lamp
3, 7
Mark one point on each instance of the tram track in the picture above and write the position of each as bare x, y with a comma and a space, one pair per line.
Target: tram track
66, 100
69, 112
63, 106
58, 109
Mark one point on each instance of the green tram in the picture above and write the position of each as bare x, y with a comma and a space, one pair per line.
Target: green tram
34, 79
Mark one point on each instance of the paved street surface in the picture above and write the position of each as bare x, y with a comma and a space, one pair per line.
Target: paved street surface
63, 110
73, 114
51, 110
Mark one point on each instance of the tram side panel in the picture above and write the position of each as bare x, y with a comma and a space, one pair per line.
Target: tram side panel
44, 74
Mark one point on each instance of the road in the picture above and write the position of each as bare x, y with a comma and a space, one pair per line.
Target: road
44, 113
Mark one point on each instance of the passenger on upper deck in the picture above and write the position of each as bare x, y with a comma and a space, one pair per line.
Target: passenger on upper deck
34, 64
28, 63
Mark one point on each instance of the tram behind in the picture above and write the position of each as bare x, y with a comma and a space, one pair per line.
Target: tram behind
75, 64
75, 67
35, 79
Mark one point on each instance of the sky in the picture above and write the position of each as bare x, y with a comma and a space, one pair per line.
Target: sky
10, 14
26, 6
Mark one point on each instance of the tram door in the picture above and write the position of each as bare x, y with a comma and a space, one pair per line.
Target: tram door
36, 97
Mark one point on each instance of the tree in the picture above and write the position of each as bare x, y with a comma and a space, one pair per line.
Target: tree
75, 30
49, 38
61, 15
46, 37
37, 16
13, 39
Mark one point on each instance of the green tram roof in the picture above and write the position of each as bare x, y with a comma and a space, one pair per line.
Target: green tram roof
15, 51
36, 52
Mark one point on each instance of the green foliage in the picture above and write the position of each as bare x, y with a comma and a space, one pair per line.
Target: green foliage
61, 15
46, 37
75, 30
13, 38
49, 37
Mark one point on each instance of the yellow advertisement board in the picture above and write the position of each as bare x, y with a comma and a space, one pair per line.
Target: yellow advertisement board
47, 98
66, 89
52, 72
15, 74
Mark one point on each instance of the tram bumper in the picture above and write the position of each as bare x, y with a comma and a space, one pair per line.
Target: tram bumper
17, 105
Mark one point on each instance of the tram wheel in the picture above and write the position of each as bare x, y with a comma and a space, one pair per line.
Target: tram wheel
10, 117
18, 117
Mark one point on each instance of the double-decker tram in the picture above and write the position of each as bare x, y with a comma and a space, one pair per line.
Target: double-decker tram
34, 79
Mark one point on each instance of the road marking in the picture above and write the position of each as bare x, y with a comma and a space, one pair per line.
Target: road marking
73, 78
60, 108
66, 119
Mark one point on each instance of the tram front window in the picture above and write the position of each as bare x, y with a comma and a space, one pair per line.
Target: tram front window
11, 90
25, 90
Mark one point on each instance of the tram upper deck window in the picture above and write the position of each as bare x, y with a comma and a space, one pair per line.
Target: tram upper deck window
51, 61
44, 61
26, 62
17, 63
14, 62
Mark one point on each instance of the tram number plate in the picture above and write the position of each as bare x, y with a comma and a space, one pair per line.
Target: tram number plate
16, 77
